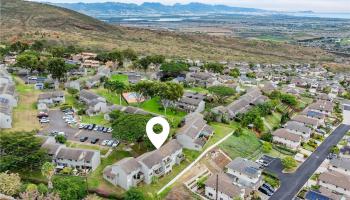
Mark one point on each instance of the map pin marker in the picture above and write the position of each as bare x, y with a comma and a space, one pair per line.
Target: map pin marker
157, 139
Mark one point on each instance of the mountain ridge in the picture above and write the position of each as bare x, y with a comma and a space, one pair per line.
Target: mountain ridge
28, 21
154, 7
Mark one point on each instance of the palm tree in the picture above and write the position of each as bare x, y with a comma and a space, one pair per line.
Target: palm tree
48, 170
119, 87
108, 85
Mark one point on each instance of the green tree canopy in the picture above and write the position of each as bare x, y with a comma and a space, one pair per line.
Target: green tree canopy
70, 187
173, 68
222, 92
57, 67
289, 162
214, 67
235, 73
21, 151
28, 60
134, 194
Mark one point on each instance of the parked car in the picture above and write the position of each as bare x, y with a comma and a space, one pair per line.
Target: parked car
110, 143
115, 143
269, 187
265, 191
83, 138
104, 142
94, 140
105, 129
42, 114
90, 127
44, 120
109, 130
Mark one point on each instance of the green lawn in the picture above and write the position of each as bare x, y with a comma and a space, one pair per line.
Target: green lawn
97, 119
95, 179
103, 150
220, 131
120, 77
197, 89
153, 106
247, 145
110, 96
273, 120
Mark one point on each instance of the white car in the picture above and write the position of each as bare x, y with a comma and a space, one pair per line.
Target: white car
61, 133
110, 143
44, 121
104, 142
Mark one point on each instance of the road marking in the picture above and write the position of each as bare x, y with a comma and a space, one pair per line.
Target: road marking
77, 133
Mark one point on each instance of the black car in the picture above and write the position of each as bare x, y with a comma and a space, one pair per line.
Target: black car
83, 138
100, 128
265, 191
93, 126
104, 129
269, 187
94, 140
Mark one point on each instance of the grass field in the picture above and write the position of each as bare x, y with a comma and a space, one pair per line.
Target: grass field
272, 121
24, 115
246, 145
102, 149
120, 77
220, 131
197, 89
153, 106
97, 119
111, 97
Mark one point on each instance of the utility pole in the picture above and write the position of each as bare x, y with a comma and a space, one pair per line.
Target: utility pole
217, 186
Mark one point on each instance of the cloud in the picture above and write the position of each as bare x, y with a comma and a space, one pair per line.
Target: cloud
278, 5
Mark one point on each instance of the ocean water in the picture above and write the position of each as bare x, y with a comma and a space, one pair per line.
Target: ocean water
323, 15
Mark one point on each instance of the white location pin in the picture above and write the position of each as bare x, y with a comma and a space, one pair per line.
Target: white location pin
157, 139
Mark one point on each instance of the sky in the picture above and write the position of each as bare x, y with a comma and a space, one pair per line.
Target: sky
277, 5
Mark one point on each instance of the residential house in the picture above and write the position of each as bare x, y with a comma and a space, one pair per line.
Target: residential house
5, 114
202, 79
245, 172
191, 102
134, 78
195, 132
96, 104
341, 165
335, 182
307, 121
125, 173
128, 172
93, 81
325, 107
245, 102
226, 189
315, 115
73, 85
90, 64
76, 158
299, 129
7, 91
50, 98
284, 137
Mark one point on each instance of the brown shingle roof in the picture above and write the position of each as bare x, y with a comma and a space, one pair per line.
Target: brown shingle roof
284, 133
225, 185
336, 178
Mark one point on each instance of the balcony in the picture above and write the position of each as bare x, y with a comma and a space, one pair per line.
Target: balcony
137, 178
167, 161
159, 171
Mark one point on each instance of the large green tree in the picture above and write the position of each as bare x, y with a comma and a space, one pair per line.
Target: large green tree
214, 67
119, 87
28, 60
173, 68
48, 170
129, 127
221, 92
21, 151
70, 187
169, 92
289, 162
57, 67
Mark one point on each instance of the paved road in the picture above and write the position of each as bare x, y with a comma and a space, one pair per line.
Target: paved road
292, 183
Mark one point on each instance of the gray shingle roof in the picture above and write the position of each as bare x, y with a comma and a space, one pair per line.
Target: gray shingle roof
244, 166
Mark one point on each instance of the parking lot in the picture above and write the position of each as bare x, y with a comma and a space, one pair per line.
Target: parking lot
57, 123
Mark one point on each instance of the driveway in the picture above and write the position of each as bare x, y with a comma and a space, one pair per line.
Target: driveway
292, 183
346, 114
58, 124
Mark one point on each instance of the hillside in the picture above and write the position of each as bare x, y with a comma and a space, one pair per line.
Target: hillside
22, 20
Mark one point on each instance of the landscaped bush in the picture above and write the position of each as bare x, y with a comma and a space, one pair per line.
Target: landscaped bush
283, 149
65, 106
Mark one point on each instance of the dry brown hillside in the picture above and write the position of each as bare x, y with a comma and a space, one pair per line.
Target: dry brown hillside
30, 20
